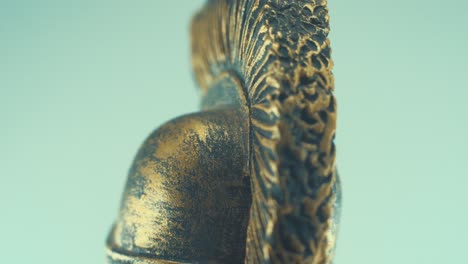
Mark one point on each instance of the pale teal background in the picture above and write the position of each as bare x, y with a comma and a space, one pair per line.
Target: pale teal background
82, 83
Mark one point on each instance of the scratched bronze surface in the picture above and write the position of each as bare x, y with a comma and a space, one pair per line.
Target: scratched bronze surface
251, 178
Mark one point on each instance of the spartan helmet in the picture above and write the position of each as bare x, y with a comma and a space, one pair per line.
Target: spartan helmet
251, 178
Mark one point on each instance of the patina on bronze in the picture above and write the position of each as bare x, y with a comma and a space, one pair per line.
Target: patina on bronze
251, 178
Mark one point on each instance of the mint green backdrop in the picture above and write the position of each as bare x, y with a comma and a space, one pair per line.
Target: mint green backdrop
82, 83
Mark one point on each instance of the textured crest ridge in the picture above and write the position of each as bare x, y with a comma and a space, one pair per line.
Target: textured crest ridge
280, 51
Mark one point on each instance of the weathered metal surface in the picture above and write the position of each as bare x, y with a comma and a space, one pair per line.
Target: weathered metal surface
252, 177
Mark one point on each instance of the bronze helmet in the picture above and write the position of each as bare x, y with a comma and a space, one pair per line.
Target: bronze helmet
251, 178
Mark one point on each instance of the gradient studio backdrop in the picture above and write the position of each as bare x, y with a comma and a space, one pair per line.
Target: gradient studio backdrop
82, 83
